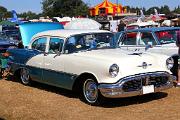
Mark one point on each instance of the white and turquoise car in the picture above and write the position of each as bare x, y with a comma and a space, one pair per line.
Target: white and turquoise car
89, 62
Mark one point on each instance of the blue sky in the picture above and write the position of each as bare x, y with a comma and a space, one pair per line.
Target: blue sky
35, 5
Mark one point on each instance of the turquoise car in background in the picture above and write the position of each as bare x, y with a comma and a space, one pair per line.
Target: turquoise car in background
156, 40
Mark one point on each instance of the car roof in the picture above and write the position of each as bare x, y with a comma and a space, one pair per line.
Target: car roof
67, 33
154, 29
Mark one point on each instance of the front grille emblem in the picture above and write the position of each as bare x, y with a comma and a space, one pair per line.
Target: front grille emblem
144, 65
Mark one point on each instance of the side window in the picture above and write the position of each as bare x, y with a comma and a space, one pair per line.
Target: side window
34, 44
55, 45
40, 44
130, 39
70, 46
147, 39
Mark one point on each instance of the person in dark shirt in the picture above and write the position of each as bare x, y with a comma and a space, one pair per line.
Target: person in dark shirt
121, 26
178, 45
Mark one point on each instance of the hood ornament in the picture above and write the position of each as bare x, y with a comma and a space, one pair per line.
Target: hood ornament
144, 65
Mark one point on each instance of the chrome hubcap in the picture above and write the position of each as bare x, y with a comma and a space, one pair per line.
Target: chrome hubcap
90, 91
25, 76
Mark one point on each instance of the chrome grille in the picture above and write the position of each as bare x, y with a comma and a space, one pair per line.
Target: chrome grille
158, 81
136, 83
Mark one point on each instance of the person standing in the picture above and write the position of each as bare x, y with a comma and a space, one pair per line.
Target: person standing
178, 45
121, 26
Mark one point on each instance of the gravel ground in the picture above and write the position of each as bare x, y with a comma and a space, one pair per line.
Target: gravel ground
41, 102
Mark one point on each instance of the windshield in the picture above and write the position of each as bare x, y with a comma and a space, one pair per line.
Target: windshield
166, 37
89, 41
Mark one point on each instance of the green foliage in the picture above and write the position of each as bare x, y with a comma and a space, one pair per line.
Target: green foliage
177, 10
151, 10
165, 10
3, 11
28, 15
64, 8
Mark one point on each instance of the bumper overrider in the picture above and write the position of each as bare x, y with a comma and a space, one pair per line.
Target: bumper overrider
138, 85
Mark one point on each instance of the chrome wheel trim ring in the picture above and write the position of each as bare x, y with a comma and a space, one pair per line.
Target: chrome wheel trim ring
24, 76
90, 90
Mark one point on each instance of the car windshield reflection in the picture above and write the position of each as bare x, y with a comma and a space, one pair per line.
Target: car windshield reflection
85, 42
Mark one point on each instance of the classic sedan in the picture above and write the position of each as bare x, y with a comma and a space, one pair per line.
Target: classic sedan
156, 40
88, 62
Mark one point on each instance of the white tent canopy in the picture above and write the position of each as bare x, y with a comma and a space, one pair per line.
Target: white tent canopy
83, 23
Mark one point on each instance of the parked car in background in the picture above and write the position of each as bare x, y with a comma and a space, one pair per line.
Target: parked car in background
5, 44
11, 34
87, 61
156, 40
140, 24
9, 37
7, 27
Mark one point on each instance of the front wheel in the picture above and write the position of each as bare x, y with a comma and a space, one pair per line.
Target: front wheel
24, 76
90, 92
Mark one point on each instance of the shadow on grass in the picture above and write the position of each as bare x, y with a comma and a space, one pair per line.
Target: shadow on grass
47, 88
120, 102
2, 118
107, 103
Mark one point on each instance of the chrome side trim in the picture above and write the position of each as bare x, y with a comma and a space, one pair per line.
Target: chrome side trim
20, 65
116, 90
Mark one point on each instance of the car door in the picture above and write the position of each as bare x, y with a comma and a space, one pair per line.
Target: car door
53, 72
35, 63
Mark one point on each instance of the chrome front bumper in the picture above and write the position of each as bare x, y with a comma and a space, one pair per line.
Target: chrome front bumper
133, 85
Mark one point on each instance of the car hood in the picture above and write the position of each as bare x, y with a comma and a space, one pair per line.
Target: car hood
129, 63
114, 54
28, 30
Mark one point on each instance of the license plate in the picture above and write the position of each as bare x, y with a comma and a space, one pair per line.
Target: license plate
148, 89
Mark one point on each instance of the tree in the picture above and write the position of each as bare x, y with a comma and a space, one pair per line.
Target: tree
28, 15
7, 14
177, 10
64, 8
165, 10
3, 11
128, 8
144, 10
151, 10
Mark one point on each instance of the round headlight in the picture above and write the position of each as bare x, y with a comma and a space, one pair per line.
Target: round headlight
169, 63
114, 70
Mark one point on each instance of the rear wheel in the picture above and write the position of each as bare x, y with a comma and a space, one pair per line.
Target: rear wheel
24, 76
